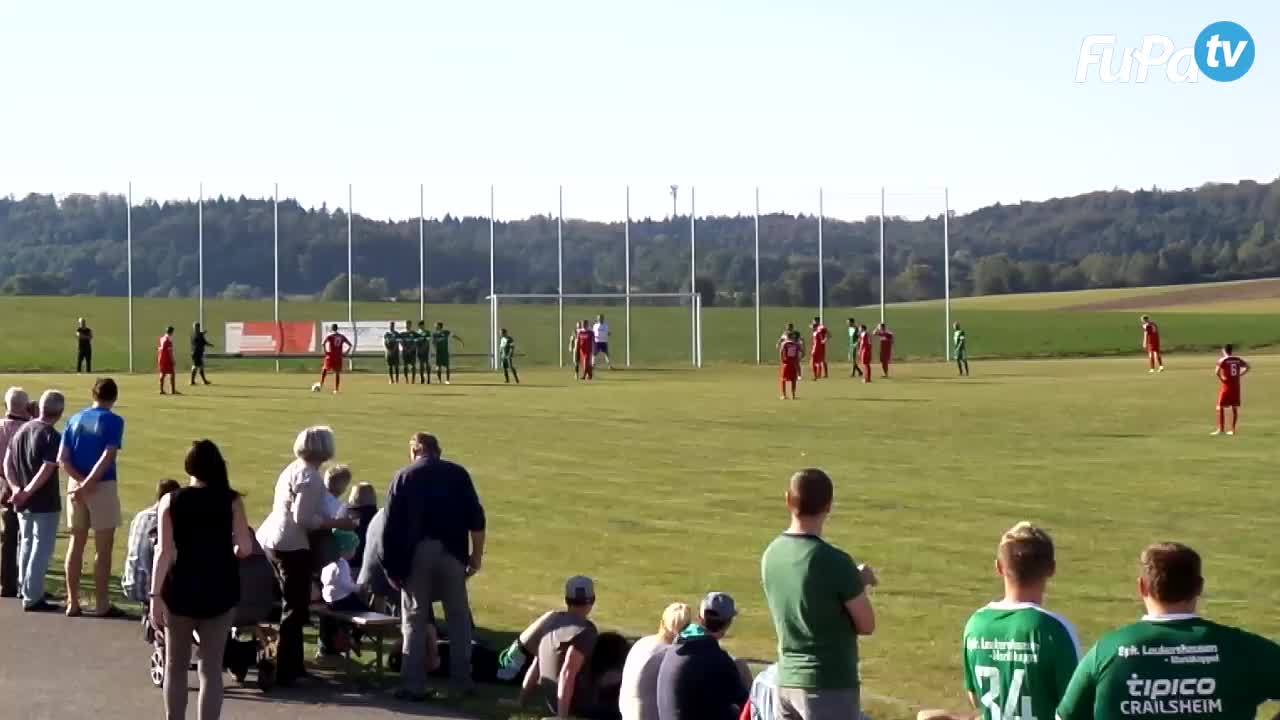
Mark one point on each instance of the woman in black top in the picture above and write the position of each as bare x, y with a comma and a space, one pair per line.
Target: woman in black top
195, 585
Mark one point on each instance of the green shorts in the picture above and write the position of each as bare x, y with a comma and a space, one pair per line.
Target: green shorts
961, 354
393, 358
442, 360
508, 363
409, 358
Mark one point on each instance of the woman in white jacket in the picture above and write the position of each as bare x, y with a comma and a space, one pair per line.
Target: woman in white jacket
297, 511
638, 696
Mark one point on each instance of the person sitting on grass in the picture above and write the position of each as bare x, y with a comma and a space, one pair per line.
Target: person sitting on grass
638, 697
362, 505
340, 591
135, 579
560, 644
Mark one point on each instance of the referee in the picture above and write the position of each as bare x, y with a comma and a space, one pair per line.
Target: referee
84, 347
198, 345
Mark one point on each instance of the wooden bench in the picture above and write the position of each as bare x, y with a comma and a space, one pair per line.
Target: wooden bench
375, 625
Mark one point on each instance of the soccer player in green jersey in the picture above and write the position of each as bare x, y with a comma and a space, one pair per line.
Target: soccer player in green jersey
854, 334
422, 336
507, 353
408, 341
1018, 657
391, 349
440, 341
961, 346
1173, 663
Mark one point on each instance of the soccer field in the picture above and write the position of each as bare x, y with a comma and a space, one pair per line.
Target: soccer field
666, 484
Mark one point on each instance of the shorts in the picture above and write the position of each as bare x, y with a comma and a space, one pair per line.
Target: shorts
602, 347
165, 364
393, 359
1229, 397
98, 511
508, 363
961, 354
1153, 347
864, 358
818, 355
197, 361
442, 360
806, 704
409, 358
333, 364
789, 372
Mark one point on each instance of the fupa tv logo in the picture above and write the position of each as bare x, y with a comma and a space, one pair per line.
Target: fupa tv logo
1223, 52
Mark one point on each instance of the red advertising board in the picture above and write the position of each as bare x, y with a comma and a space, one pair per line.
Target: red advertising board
269, 338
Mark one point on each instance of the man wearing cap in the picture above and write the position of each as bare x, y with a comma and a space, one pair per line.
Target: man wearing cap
560, 643
698, 680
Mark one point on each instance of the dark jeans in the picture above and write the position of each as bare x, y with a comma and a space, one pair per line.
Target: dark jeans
8, 552
293, 570
84, 359
329, 628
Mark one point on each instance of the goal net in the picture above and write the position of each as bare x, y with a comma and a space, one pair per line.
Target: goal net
644, 329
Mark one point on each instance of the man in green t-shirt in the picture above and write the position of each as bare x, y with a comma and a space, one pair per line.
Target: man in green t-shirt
819, 605
440, 346
507, 354
961, 347
1173, 663
422, 338
408, 341
854, 334
1018, 657
391, 349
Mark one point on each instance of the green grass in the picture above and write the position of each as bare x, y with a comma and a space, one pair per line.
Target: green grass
659, 335
666, 484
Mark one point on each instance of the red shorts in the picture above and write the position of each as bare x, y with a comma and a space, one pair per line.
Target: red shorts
864, 358
1153, 347
333, 363
789, 371
819, 355
886, 356
165, 366
1228, 397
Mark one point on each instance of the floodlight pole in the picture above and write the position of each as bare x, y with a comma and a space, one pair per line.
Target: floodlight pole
821, 286
351, 313
128, 252
200, 255
946, 272
493, 305
882, 254
275, 264
626, 246
757, 293
422, 258
560, 274
693, 275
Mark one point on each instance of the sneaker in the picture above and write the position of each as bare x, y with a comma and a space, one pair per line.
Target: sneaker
1161, 369
1215, 433
446, 382
1152, 370
1231, 432
41, 606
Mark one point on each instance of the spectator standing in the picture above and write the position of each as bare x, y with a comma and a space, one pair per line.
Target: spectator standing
199, 344
91, 441
84, 347
561, 643
819, 604
638, 698
16, 415
432, 542
31, 470
297, 510
195, 585
698, 680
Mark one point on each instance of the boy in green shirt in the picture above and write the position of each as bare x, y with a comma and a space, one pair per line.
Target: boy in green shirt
391, 349
1173, 663
422, 337
961, 343
440, 343
408, 351
507, 353
854, 334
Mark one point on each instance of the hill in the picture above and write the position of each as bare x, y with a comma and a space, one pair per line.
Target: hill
1098, 240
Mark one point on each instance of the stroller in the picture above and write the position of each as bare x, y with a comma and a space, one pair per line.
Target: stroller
253, 635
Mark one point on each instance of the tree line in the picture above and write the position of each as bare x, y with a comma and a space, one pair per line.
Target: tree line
1114, 238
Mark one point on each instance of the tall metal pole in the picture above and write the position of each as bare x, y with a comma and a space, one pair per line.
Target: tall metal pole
200, 256
757, 294
128, 254
351, 312
882, 254
422, 258
560, 274
693, 276
821, 286
275, 262
626, 264
946, 271
493, 304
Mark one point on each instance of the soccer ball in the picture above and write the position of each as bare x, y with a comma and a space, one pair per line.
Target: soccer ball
315, 387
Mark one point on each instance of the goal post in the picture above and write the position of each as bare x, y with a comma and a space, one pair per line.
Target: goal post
656, 315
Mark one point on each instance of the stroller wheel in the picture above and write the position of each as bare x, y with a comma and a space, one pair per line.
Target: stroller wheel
393, 661
157, 667
266, 675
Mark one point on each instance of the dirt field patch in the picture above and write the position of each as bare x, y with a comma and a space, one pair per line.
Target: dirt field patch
1174, 298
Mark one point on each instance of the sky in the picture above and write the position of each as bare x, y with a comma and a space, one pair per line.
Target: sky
595, 96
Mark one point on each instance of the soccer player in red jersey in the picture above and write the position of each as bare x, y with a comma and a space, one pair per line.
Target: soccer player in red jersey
886, 347
584, 344
864, 353
789, 352
165, 363
1229, 371
335, 346
1151, 344
818, 354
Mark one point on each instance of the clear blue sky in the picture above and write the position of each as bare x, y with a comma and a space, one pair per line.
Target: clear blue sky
594, 94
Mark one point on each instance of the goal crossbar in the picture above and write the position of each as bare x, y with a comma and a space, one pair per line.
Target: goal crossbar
695, 317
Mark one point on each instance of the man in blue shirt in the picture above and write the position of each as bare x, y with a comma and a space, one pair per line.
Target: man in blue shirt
90, 443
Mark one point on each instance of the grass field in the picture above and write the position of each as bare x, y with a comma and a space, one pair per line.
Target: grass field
666, 484
1093, 323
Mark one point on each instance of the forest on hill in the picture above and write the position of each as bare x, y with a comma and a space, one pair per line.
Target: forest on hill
76, 245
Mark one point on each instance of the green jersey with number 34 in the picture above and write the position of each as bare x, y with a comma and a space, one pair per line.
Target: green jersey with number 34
1018, 660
